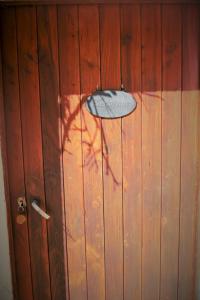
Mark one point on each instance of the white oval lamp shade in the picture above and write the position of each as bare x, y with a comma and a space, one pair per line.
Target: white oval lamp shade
110, 104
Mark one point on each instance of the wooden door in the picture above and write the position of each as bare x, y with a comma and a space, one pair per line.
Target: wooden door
122, 194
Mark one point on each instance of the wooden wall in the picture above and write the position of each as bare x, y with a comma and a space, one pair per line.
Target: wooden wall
122, 194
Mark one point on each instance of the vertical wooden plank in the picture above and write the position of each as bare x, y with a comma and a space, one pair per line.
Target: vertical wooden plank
112, 154
197, 256
92, 152
197, 246
72, 154
151, 149
7, 219
190, 151
15, 154
52, 148
6, 222
171, 140
32, 146
131, 139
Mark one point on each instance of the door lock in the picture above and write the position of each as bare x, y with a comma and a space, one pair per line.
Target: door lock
21, 205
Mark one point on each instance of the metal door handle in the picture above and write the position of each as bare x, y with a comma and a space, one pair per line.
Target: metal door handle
42, 213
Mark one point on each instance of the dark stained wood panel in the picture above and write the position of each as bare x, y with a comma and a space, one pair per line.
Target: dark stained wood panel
32, 147
190, 47
5, 186
131, 154
151, 149
15, 154
73, 2
189, 152
112, 159
71, 147
52, 147
92, 152
171, 144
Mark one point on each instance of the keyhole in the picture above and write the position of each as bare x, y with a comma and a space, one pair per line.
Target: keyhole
21, 205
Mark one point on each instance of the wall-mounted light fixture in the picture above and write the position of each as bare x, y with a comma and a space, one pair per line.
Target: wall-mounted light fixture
110, 104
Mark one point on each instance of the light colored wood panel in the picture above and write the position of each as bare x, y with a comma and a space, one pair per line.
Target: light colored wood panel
189, 152
112, 156
171, 144
151, 162
72, 154
189, 192
92, 152
171, 124
197, 250
131, 140
151, 150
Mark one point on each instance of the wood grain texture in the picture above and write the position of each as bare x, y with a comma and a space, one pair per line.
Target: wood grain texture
73, 2
189, 151
131, 141
52, 148
5, 181
122, 194
171, 143
5, 187
72, 154
32, 146
92, 152
15, 154
112, 159
197, 225
151, 149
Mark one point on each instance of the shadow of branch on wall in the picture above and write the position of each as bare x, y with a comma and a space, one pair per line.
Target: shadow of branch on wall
70, 113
